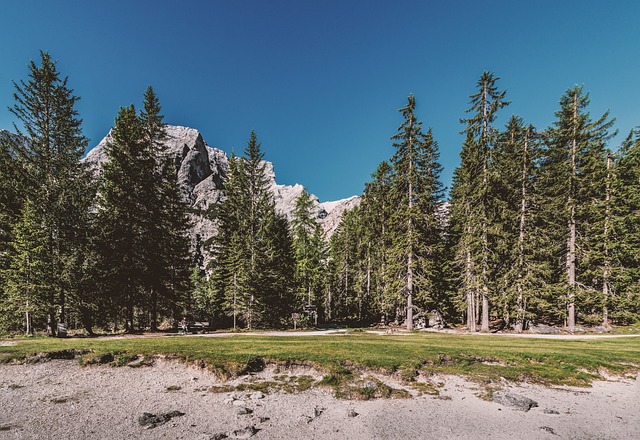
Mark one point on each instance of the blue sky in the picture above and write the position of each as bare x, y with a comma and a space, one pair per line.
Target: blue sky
321, 81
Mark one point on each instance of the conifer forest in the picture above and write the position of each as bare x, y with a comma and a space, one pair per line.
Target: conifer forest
541, 225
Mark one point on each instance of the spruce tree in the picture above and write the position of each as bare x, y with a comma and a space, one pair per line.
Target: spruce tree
574, 139
377, 211
471, 198
308, 243
54, 176
252, 265
10, 197
122, 218
623, 302
28, 280
519, 264
417, 193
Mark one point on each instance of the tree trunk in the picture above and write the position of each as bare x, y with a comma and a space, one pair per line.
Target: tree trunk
154, 310
485, 245
606, 272
521, 236
571, 241
52, 325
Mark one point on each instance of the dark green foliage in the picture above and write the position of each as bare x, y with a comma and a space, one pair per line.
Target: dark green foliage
387, 254
417, 199
53, 177
574, 172
310, 254
471, 216
143, 245
252, 265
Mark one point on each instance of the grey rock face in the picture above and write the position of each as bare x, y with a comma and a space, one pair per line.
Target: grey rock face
201, 169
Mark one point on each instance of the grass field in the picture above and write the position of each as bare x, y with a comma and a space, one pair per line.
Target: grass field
480, 358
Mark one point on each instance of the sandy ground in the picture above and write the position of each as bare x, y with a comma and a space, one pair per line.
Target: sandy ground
58, 399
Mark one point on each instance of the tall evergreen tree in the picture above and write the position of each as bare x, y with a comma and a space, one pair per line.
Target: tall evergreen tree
122, 217
377, 211
10, 197
55, 178
308, 243
519, 265
471, 197
252, 264
574, 142
28, 280
417, 195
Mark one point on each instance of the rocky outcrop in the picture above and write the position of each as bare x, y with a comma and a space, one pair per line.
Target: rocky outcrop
201, 169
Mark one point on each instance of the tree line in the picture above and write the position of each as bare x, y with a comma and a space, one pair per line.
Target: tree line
542, 226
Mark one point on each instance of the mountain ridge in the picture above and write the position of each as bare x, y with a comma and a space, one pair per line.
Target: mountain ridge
201, 169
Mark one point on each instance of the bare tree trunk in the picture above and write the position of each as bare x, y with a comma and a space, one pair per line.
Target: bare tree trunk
235, 294
571, 241
607, 269
485, 246
521, 236
154, 310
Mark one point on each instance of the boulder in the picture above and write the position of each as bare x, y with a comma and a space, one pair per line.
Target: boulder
543, 329
515, 401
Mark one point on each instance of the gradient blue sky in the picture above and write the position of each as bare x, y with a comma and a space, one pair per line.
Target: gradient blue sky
321, 81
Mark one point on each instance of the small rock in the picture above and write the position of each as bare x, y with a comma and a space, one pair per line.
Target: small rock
219, 436
238, 403
257, 395
228, 401
150, 420
352, 413
247, 432
263, 419
244, 411
550, 411
174, 388
317, 412
548, 429
370, 384
516, 401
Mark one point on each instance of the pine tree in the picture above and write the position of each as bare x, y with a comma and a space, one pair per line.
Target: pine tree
573, 140
122, 217
28, 279
54, 176
227, 248
308, 243
520, 267
471, 197
623, 301
377, 211
252, 265
417, 194
10, 197
341, 300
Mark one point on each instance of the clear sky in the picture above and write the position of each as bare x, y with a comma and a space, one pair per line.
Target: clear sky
321, 81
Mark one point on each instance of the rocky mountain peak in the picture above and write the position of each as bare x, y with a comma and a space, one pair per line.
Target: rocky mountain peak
200, 170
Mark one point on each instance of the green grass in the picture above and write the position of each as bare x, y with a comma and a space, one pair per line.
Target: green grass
483, 359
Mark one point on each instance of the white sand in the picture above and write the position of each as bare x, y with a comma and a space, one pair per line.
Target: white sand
59, 399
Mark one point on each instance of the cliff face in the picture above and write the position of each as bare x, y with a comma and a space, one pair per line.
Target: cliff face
201, 169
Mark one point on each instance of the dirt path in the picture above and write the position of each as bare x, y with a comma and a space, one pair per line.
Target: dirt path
59, 399
377, 332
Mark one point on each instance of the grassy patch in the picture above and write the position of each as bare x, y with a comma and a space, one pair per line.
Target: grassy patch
347, 358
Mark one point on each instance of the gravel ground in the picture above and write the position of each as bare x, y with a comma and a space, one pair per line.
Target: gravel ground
58, 399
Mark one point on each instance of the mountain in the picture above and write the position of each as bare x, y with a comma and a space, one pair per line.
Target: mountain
201, 169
